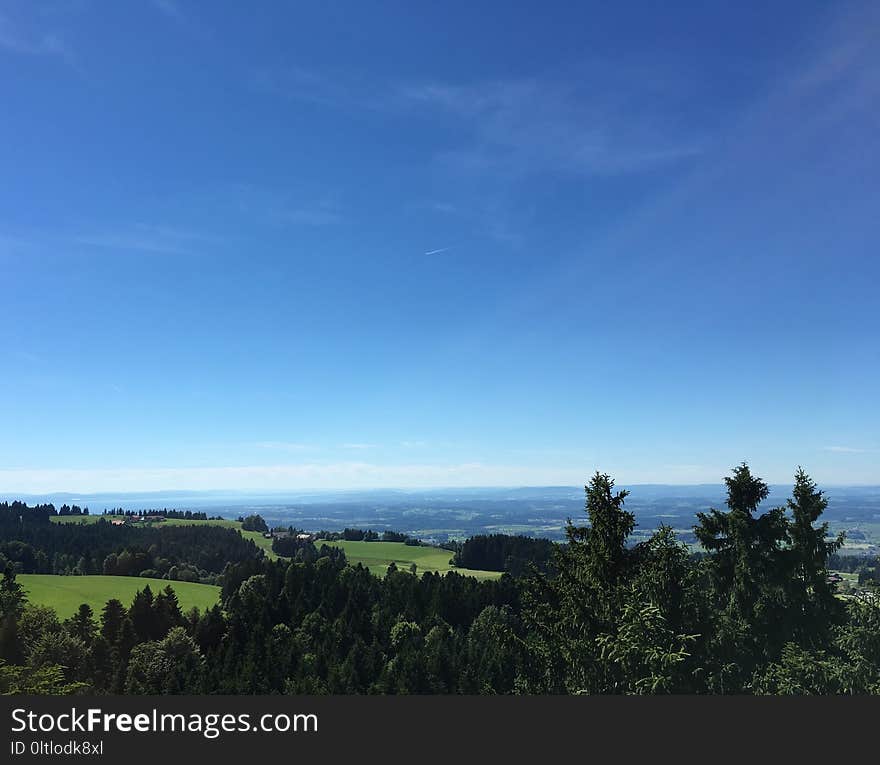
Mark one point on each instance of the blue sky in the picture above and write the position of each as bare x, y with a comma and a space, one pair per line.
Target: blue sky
370, 244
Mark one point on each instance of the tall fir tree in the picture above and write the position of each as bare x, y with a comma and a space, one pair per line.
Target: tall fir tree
814, 609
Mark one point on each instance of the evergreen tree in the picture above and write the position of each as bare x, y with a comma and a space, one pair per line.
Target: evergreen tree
748, 576
567, 611
143, 616
813, 607
112, 617
81, 625
12, 602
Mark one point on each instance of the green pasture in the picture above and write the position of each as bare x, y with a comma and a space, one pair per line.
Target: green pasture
66, 593
377, 556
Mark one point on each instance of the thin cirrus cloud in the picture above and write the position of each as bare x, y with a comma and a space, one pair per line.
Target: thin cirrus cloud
832, 90
492, 138
537, 124
281, 477
14, 40
335, 91
308, 216
272, 206
845, 450
568, 124
286, 446
147, 238
168, 8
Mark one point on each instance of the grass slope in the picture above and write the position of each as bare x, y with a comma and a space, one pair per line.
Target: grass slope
66, 593
376, 556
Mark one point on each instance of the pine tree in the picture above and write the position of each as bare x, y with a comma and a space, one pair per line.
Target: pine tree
568, 611
12, 602
814, 607
747, 571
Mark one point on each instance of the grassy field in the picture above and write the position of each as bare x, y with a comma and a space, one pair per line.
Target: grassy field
66, 593
376, 556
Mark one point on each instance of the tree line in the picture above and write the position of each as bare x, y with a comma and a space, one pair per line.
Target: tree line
503, 552
183, 515
31, 544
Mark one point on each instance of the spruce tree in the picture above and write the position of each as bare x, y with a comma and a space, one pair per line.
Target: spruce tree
748, 577
813, 606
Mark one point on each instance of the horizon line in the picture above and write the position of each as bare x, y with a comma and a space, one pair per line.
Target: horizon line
406, 489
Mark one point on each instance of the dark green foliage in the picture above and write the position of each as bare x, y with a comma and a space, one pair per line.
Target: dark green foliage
291, 547
170, 665
813, 607
394, 536
12, 600
82, 625
12, 513
767, 577
37, 546
503, 552
612, 620
254, 523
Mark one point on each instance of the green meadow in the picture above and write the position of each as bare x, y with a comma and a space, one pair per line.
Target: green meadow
377, 556
66, 593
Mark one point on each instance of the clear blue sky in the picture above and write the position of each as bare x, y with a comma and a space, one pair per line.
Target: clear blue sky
375, 244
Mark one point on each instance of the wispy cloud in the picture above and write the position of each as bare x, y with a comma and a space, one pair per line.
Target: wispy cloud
438, 251
14, 40
273, 206
358, 446
15, 244
169, 8
338, 475
285, 446
542, 124
844, 450
490, 139
308, 216
334, 90
148, 238
570, 123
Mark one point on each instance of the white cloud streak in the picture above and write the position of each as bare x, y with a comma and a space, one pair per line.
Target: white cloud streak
148, 238
523, 126
286, 446
169, 8
308, 216
13, 40
340, 475
573, 125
